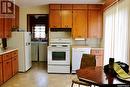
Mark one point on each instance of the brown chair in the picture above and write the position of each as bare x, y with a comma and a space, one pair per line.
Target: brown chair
86, 61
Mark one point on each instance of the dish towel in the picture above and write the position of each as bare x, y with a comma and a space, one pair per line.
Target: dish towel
121, 73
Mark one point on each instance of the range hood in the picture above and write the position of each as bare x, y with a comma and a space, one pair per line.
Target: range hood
60, 29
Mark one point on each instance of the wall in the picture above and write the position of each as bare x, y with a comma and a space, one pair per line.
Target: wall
44, 9
89, 42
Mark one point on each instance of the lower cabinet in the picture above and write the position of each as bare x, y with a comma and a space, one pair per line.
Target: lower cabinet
14, 65
99, 53
1, 72
8, 65
7, 69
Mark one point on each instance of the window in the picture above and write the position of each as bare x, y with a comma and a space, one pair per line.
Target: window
39, 32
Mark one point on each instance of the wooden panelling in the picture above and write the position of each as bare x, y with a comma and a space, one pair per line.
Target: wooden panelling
15, 65
1, 27
109, 3
1, 71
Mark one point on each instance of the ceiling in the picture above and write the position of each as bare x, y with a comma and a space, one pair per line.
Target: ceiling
29, 3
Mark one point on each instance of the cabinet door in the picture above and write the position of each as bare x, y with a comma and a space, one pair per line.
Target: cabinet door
7, 27
95, 23
15, 65
55, 19
1, 28
1, 71
79, 24
7, 69
66, 18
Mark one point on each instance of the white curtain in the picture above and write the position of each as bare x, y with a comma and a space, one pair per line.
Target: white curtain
116, 20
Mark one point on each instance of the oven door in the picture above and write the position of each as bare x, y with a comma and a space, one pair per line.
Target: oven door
59, 55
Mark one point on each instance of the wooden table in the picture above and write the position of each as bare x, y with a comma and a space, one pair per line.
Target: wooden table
96, 76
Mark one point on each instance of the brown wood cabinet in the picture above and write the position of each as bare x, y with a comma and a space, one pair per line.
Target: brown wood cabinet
7, 69
60, 16
6, 24
7, 27
95, 17
1, 27
14, 62
66, 18
8, 65
79, 24
55, 19
1, 71
99, 53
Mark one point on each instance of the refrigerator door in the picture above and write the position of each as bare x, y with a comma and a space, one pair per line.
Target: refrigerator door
28, 62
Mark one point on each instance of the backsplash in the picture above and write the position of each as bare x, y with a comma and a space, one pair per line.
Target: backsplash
94, 42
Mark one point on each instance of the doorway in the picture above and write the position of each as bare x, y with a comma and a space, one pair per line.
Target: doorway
37, 24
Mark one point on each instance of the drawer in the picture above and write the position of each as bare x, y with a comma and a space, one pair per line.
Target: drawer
1, 58
14, 53
7, 56
97, 52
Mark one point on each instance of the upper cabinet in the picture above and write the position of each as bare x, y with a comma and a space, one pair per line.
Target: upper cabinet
79, 29
86, 20
6, 24
95, 23
60, 16
55, 19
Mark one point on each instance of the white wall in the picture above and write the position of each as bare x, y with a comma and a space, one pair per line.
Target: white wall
44, 9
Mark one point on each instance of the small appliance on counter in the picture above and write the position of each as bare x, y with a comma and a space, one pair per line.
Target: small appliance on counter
4, 43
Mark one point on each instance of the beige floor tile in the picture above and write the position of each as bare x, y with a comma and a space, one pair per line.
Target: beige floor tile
37, 76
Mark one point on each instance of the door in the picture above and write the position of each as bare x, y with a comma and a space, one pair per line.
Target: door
95, 23
1, 28
58, 55
66, 18
55, 19
28, 62
79, 24
15, 64
1, 71
7, 69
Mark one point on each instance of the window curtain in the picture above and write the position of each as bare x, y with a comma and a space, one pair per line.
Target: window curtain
116, 27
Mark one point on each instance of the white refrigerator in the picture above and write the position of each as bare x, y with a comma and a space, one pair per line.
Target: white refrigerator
22, 41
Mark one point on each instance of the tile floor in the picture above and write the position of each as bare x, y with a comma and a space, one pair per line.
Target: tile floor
37, 76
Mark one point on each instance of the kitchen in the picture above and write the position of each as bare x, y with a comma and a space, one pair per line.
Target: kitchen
71, 33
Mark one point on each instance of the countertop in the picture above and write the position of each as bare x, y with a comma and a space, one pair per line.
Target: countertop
85, 46
9, 49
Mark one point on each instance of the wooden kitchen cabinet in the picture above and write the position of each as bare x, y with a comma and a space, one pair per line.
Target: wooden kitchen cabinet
55, 19
99, 53
1, 27
95, 21
14, 62
60, 16
1, 71
15, 20
6, 24
79, 24
66, 18
7, 27
7, 69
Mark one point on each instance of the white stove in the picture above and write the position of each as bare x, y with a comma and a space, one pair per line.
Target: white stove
59, 56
